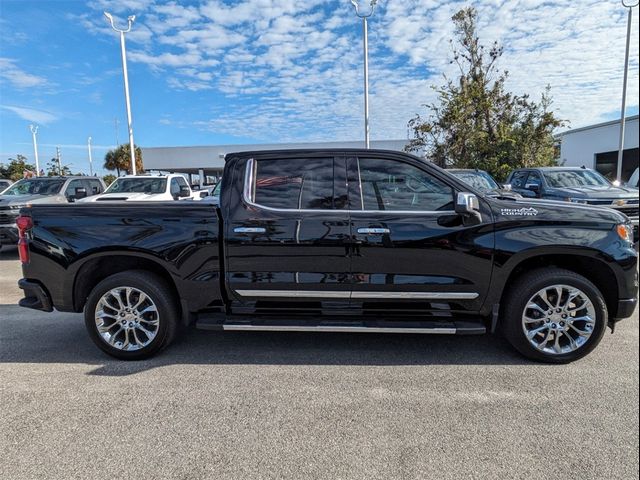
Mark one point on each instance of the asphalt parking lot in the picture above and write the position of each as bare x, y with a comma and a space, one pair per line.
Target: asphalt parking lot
296, 405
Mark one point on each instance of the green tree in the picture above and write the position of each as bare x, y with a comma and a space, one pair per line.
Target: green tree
120, 159
109, 179
475, 122
52, 170
15, 168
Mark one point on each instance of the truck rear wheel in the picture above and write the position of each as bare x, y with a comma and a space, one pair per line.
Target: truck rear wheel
554, 315
131, 315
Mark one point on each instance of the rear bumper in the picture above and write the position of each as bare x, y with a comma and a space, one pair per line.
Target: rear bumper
34, 296
8, 235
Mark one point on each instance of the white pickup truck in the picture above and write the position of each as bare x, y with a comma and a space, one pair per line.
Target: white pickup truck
146, 188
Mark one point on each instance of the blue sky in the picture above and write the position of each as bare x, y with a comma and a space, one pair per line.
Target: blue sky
215, 71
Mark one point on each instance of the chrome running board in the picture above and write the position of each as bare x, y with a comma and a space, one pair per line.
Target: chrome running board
338, 328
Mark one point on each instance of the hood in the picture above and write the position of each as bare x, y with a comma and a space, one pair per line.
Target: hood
503, 193
552, 210
595, 192
122, 197
11, 200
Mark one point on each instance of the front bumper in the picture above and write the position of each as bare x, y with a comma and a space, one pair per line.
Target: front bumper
626, 307
8, 235
35, 296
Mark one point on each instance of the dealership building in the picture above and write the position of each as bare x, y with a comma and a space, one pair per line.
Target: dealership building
596, 146
205, 164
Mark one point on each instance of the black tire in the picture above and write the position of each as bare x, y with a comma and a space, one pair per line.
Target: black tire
158, 292
525, 287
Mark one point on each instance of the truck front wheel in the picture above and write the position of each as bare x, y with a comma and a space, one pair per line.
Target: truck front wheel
554, 315
131, 315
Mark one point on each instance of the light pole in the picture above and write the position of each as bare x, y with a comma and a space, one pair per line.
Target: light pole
58, 155
34, 132
90, 159
364, 16
629, 6
130, 21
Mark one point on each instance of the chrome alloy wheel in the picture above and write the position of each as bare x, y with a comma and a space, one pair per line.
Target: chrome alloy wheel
126, 318
558, 319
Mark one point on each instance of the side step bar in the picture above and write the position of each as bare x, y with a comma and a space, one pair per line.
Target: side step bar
338, 328
445, 326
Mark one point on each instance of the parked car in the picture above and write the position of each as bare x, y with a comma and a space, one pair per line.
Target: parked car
340, 241
39, 190
146, 188
484, 182
578, 185
4, 184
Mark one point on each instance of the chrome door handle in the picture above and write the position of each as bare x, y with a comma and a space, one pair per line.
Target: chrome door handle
373, 231
249, 230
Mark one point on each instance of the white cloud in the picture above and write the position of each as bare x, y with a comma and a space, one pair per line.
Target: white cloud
17, 77
292, 70
31, 114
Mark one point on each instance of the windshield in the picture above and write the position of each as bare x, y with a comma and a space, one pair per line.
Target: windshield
138, 185
36, 186
479, 180
216, 190
575, 178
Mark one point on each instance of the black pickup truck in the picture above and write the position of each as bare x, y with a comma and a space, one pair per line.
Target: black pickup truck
340, 241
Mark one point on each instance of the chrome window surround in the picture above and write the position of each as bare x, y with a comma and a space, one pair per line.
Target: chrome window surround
249, 193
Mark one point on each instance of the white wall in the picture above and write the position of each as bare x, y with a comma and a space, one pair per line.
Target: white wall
580, 147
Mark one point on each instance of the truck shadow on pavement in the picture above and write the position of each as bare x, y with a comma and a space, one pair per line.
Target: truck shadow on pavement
34, 337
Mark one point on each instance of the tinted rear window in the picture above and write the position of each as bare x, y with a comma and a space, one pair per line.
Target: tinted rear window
301, 183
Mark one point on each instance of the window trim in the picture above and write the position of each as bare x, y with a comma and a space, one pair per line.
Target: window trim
249, 190
401, 212
249, 193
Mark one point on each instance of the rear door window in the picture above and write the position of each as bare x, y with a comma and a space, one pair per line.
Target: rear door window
295, 184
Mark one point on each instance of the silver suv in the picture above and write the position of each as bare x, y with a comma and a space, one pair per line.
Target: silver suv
41, 190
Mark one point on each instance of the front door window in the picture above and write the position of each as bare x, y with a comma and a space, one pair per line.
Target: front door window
397, 186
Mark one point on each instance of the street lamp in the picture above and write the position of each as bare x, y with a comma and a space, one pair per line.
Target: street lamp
629, 6
364, 16
130, 21
90, 159
34, 132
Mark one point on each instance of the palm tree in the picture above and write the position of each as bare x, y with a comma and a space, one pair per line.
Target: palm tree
120, 158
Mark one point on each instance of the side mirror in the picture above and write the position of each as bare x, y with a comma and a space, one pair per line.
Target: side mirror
81, 192
468, 206
507, 187
184, 192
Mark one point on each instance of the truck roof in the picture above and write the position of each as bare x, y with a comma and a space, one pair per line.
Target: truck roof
316, 151
62, 177
547, 169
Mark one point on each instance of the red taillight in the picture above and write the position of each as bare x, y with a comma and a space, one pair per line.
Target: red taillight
24, 224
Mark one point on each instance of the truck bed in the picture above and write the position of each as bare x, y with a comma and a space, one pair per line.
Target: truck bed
179, 240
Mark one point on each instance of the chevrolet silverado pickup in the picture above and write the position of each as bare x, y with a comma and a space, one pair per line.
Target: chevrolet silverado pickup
339, 241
